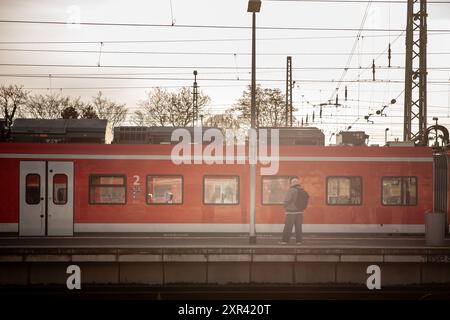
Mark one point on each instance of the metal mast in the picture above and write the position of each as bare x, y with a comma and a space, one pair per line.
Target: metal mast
289, 92
195, 100
415, 113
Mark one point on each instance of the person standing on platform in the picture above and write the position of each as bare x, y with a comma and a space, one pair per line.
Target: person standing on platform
295, 203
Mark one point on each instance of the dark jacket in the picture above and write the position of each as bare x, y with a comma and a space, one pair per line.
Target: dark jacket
290, 201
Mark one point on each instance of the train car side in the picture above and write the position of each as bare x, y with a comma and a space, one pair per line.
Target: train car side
121, 188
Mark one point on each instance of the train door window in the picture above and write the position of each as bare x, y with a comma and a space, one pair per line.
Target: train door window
399, 191
274, 189
60, 189
33, 188
107, 189
221, 189
344, 190
164, 189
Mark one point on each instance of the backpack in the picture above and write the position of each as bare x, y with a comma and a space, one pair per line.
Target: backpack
301, 201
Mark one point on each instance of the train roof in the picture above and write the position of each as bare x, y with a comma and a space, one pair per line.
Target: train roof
141, 149
59, 130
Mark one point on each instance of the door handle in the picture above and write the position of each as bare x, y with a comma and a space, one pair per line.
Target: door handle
42, 213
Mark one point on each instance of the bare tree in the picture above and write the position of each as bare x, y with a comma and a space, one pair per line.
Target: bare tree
270, 107
88, 113
153, 109
163, 108
54, 106
13, 100
48, 106
114, 112
70, 112
75, 104
225, 120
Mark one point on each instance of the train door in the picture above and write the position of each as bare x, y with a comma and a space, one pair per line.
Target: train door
32, 219
60, 198
46, 198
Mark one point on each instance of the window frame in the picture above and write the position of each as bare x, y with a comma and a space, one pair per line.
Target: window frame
222, 176
262, 188
344, 204
164, 175
39, 188
67, 189
401, 191
94, 175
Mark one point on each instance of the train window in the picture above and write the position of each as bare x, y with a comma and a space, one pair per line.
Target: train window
344, 190
221, 189
33, 188
399, 191
107, 189
164, 189
274, 189
60, 189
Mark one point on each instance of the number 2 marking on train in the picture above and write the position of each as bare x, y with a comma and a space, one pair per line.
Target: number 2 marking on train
136, 180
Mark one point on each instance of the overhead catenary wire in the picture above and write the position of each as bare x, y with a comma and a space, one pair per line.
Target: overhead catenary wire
174, 67
267, 69
214, 73
332, 53
352, 51
209, 79
132, 87
59, 42
370, 65
209, 26
305, 79
203, 67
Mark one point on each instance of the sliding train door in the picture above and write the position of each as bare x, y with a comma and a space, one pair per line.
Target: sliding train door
46, 198
32, 207
60, 198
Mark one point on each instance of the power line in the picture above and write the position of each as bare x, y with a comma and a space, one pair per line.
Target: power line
350, 56
206, 53
173, 67
198, 40
125, 66
209, 79
124, 24
205, 40
199, 67
277, 71
130, 87
268, 70
369, 66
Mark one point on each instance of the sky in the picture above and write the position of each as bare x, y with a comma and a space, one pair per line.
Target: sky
162, 51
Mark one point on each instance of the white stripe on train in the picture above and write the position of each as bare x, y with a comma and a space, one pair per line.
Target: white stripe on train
244, 228
229, 228
9, 227
168, 157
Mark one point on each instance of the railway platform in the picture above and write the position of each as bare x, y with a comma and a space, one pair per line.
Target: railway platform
161, 260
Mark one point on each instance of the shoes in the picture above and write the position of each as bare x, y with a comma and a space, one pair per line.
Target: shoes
299, 242
282, 242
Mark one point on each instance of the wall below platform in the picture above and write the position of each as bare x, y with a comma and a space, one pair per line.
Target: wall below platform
161, 266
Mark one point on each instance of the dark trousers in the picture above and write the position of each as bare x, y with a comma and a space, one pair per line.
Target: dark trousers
292, 219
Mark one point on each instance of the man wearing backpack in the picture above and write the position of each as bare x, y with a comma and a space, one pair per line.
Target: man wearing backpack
295, 203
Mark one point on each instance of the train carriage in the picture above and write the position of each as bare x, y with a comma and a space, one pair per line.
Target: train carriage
70, 189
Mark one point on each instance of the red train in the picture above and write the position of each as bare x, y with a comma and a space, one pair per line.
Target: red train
67, 189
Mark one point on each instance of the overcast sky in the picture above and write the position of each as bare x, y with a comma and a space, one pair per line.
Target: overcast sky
172, 50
